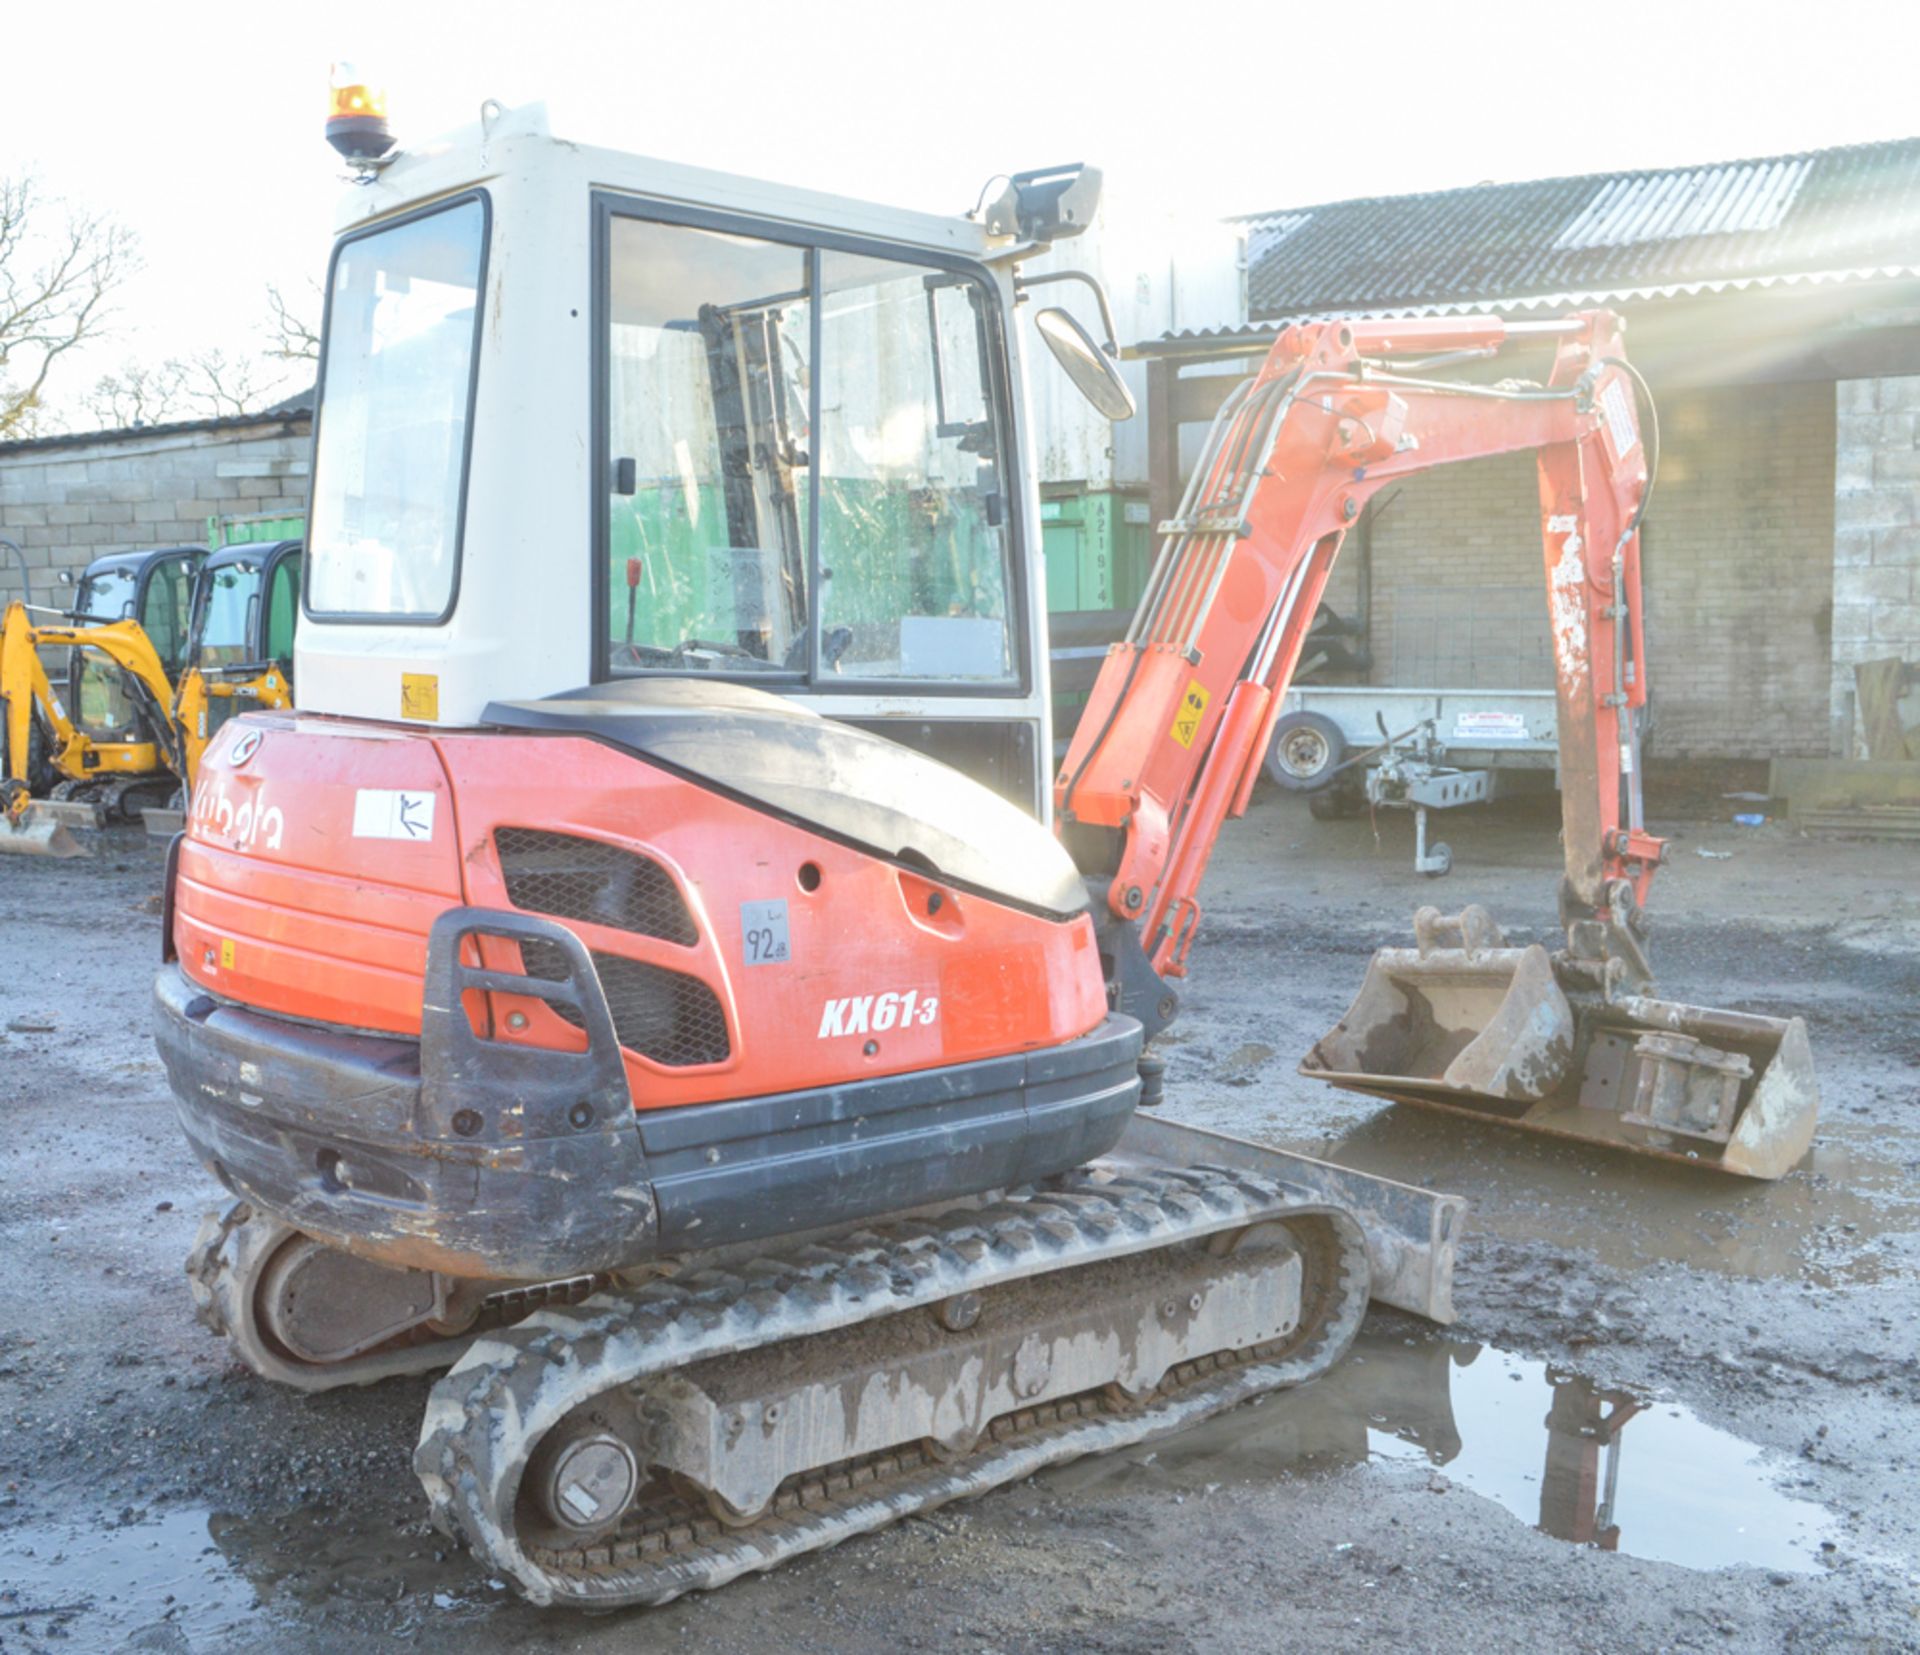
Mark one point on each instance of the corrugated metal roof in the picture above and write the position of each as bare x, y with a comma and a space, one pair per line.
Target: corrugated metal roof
1826, 215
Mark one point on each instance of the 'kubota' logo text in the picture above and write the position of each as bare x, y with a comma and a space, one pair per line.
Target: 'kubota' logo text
876, 1013
250, 824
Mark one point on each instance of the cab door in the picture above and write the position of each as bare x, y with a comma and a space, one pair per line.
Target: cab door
280, 607
165, 606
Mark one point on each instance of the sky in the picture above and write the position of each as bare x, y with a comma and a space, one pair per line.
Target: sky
200, 125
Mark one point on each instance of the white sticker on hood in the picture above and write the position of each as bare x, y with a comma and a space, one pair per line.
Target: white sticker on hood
392, 813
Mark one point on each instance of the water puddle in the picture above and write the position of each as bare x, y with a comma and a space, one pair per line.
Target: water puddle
1585, 1464
190, 1579
1845, 1216
161, 1584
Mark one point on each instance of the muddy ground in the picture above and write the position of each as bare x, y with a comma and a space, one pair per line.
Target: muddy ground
1750, 1351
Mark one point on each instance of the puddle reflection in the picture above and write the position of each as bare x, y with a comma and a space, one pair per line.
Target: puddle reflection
1578, 1461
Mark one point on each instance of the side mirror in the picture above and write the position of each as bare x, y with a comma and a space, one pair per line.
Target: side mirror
66, 577
1094, 373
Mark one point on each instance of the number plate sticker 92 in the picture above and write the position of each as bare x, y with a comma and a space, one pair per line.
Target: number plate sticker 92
763, 933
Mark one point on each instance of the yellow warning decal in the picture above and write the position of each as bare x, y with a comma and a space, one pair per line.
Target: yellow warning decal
420, 696
1193, 707
226, 953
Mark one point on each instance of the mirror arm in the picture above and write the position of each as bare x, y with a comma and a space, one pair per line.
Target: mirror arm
1112, 345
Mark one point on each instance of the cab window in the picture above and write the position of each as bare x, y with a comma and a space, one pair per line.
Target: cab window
226, 626
283, 611
390, 458
803, 464
707, 389
913, 546
166, 609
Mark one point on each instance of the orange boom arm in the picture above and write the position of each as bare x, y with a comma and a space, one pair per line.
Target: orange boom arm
1173, 734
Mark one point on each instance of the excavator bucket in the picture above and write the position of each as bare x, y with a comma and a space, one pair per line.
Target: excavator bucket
1464, 1023
37, 834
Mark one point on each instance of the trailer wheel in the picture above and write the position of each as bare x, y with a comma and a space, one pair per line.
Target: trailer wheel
1440, 859
1307, 749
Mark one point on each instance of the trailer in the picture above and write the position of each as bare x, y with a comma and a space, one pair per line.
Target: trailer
1418, 749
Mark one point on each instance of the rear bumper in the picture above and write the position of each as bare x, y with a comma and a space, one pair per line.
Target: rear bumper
485, 1160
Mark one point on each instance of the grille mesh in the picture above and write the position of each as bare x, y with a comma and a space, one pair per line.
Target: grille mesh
668, 1016
571, 878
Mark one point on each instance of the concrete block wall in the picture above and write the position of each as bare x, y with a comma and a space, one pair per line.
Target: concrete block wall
1738, 572
66, 504
1738, 563
1876, 539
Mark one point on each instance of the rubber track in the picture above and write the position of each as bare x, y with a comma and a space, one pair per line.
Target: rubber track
223, 1272
486, 1417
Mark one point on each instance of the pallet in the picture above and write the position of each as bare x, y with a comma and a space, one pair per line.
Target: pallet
1865, 822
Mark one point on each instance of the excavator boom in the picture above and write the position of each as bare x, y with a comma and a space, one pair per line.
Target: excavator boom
1184, 709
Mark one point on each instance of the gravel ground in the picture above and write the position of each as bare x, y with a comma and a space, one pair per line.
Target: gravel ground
1752, 1346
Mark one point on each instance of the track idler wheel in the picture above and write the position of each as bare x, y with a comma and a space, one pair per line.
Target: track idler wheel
580, 1483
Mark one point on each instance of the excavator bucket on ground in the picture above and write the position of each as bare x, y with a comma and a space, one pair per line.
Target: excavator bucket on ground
1464, 1023
38, 834
30, 827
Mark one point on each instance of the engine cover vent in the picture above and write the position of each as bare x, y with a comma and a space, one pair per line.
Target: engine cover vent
668, 1016
574, 878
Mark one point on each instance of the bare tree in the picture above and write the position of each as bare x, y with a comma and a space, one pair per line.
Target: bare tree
139, 394
207, 385
59, 267
215, 384
291, 337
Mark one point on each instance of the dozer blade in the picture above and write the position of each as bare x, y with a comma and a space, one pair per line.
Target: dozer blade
38, 833
1485, 1030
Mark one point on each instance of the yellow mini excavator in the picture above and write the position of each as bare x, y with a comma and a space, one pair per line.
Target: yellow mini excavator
160, 646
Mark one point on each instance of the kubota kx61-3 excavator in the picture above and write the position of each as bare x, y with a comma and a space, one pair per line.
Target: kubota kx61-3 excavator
581, 990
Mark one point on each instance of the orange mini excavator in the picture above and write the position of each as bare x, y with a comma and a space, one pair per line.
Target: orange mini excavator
676, 1012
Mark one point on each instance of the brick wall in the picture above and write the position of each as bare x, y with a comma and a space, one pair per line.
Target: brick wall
1443, 540
1876, 538
65, 504
1739, 571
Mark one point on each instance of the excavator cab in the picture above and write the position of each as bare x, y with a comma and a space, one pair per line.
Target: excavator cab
155, 588
245, 611
787, 434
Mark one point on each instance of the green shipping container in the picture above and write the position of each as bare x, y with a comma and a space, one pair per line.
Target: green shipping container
252, 531
1098, 547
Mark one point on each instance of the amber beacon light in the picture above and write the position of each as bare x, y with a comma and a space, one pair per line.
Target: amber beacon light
357, 116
